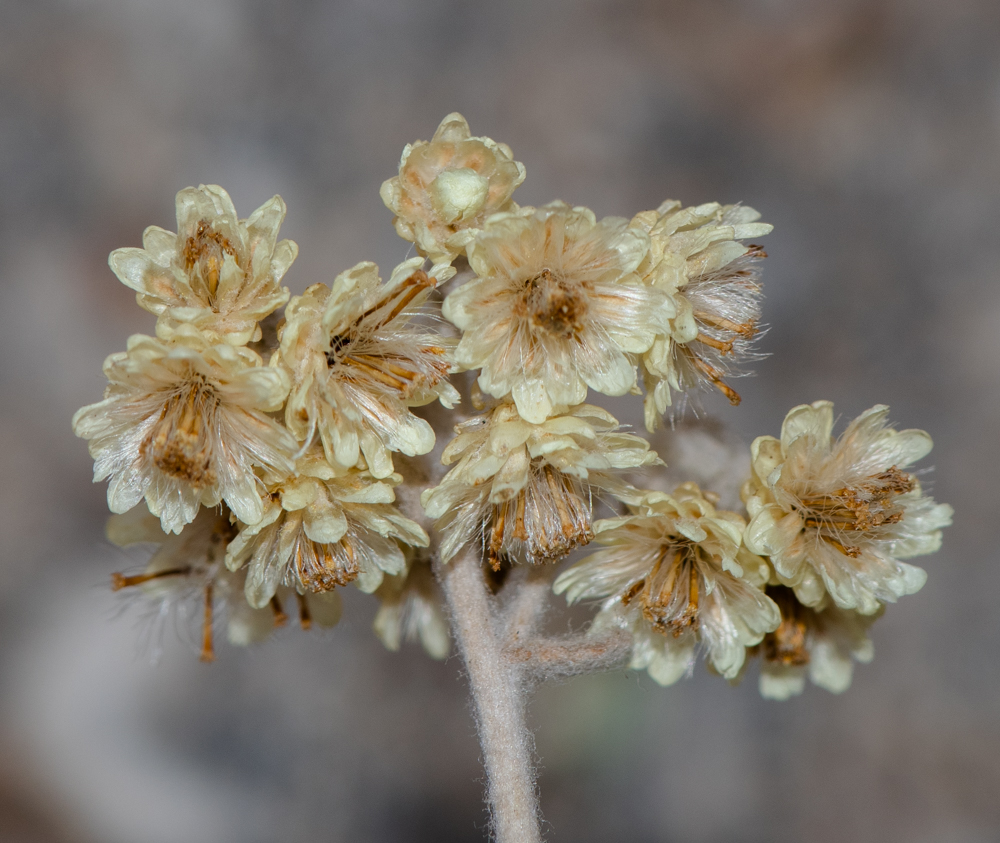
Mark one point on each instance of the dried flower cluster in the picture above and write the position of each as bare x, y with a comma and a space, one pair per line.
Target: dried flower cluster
277, 475
274, 480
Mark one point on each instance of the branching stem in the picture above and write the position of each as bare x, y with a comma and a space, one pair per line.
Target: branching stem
570, 655
505, 655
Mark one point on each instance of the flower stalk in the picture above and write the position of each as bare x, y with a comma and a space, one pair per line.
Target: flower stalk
498, 699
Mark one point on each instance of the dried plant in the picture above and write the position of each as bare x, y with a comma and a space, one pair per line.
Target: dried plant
275, 481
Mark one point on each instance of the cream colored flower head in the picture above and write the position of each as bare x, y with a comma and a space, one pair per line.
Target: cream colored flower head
323, 527
696, 256
218, 273
183, 424
530, 486
556, 308
411, 609
446, 188
675, 574
358, 363
818, 643
836, 516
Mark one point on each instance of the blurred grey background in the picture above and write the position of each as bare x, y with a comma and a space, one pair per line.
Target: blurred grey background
867, 131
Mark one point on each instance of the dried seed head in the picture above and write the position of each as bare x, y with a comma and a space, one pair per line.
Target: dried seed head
218, 273
447, 187
835, 517
527, 490
323, 527
358, 362
713, 279
186, 574
675, 575
184, 424
556, 308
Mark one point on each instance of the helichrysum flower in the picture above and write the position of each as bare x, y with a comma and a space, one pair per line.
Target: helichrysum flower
218, 273
187, 575
675, 574
358, 362
836, 516
184, 423
530, 486
556, 307
446, 188
820, 644
696, 257
411, 610
323, 527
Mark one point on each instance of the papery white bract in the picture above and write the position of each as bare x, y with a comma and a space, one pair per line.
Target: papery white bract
358, 362
697, 258
446, 188
556, 307
836, 516
674, 574
218, 273
183, 424
531, 485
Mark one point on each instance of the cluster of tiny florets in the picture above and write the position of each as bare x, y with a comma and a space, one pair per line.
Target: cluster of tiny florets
274, 480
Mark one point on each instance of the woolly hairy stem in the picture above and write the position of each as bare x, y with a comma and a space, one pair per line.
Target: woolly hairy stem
498, 700
570, 655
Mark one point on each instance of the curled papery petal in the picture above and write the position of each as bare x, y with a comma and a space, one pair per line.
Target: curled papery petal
712, 279
358, 362
526, 490
675, 575
323, 527
835, 517
184, 424
556, 307
218, 273
447, 187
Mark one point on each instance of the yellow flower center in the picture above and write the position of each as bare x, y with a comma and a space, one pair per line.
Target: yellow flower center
179, 441
358, 356
553, 306
322, 567
852, 512
788, 644
204, 254
549, 515
669, 594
